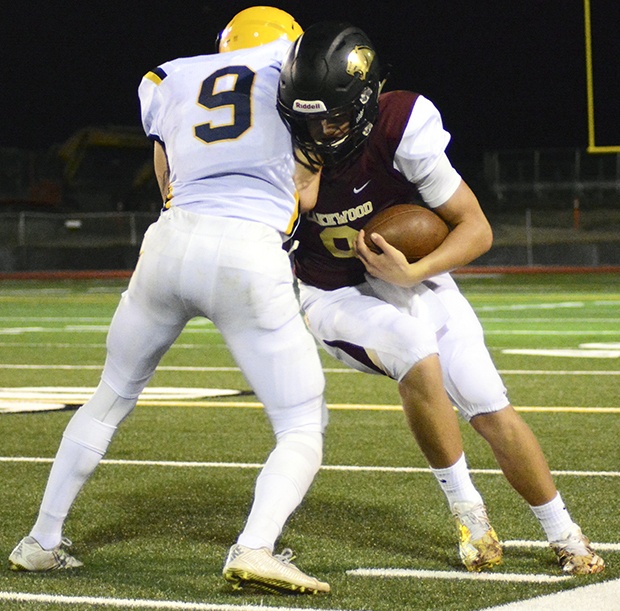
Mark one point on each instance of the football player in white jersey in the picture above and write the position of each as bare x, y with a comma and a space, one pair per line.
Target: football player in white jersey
232, 189
380, 314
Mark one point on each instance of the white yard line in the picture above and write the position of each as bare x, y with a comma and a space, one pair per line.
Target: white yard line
554, 333
133, 603
237, 465
602, 547
12, 401
596, 597
459, 575
545, 372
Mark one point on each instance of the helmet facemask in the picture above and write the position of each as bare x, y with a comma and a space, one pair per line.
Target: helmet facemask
330, 137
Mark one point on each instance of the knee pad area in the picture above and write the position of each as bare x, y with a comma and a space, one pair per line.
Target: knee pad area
95, 423
89, 432
107, 406
307, 441
311, 416
297, 452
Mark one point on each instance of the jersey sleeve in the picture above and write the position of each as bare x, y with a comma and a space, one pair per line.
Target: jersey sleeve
150, 98
421, 156
423, 142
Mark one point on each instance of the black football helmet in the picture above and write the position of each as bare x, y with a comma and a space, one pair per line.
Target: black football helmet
329, 91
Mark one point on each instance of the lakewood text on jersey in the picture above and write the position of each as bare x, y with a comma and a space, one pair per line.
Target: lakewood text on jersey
341, 218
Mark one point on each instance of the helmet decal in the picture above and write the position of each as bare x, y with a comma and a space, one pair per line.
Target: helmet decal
359, 61
309, 106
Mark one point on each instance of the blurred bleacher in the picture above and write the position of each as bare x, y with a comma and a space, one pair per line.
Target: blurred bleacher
86, 203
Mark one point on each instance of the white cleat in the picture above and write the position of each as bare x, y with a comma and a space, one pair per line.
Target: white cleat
479, 546
575, 553
30, 556
259, 568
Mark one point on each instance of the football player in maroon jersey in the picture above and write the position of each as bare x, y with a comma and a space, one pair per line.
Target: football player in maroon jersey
409, 321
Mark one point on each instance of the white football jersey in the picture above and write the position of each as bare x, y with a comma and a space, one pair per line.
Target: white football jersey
229, 152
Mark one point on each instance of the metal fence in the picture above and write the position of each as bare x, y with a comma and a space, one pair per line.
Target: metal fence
50, 241
33, 241
546, 206
553, 173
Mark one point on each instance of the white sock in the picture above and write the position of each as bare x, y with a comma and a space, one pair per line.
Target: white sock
73, 465
553, 517
281, 486
456, 483
84, 443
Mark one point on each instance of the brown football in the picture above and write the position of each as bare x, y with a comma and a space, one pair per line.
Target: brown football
412, 229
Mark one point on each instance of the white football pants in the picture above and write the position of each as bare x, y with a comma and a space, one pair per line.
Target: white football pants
235, 273
377, 327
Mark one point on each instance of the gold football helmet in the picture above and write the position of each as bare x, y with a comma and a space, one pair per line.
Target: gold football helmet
257, 26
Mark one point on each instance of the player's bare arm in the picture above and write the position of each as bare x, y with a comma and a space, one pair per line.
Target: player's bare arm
470, 236
162, 171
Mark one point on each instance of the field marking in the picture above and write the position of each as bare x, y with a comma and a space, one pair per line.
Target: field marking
542, 332
73, 319
102, 320
101, 345
82, 329
531, 306
603, 547
15, 399
550, 321
72, 394
459, 575
331, 406
559, 372
345, 370
25, 399
105, 328
140, 603
386, 408
238, 465
595, 597
517, 307
579, 353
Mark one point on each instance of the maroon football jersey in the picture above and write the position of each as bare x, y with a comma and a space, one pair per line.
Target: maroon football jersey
349, 195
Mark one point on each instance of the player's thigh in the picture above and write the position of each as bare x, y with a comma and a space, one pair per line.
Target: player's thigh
278, 357
470, 376
147, 321
285, 372
365, 332
254, 306
254, 284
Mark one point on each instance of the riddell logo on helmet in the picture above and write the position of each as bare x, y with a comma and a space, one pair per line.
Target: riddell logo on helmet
309, 106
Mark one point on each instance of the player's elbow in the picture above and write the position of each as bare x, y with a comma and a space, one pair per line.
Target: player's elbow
485, 239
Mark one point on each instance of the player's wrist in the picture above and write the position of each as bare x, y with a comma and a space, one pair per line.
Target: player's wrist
416, 273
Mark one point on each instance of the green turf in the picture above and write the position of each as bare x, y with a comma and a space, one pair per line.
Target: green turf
157, 532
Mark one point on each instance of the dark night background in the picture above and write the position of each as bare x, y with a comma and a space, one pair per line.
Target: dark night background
504, 74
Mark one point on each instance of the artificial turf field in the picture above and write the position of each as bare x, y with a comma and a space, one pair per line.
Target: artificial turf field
154, 523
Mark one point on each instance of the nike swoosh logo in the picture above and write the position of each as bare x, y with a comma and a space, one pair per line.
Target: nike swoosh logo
361, 188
